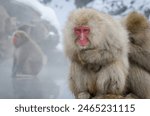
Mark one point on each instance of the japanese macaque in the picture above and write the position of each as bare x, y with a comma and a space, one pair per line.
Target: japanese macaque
139, 73
97, 46
28, 57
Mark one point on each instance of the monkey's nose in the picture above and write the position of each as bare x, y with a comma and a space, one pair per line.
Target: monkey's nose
82, 36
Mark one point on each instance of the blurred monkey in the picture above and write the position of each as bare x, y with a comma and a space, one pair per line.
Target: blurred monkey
97, 46
28, 57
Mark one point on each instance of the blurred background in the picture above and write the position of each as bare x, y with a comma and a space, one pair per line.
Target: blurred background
44, 20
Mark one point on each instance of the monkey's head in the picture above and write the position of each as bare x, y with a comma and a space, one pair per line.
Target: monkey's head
138, 27
79, 29
88, 29
19, 38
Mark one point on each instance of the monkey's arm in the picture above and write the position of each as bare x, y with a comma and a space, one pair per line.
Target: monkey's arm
17, 68
20, 58
101, 57
111, 79
78, 81
140, 56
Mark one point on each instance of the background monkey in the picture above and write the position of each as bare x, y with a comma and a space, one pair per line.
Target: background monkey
139, 35
98, 54
28, 57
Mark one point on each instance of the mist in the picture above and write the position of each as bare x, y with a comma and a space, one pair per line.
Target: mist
43, 21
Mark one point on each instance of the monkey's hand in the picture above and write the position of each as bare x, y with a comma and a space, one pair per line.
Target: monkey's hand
96, 56
86, 56
81, 59
131, 96
109, 96
83, 95
78, 81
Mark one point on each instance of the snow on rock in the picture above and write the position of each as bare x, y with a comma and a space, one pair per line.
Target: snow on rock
60, 46
121, 7
47, 13
62, 9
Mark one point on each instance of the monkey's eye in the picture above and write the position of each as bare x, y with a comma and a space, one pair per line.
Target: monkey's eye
77, 31
86, 30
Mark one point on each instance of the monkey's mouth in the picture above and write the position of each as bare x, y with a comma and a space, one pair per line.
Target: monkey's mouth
83, 42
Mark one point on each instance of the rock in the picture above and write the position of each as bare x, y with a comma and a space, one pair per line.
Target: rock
82, 3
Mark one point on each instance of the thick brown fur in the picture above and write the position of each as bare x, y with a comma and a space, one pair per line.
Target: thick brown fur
139, 56
136, 22
28, 57
102, 67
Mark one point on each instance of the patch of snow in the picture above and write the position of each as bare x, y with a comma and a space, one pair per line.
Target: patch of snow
47, 13
115, 6
62, 9
51, 33
60, 47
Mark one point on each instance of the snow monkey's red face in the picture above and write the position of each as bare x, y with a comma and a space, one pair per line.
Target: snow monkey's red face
82, 33
18, 38
14, 38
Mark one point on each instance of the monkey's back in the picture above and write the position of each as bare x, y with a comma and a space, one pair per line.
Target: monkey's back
31, 57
